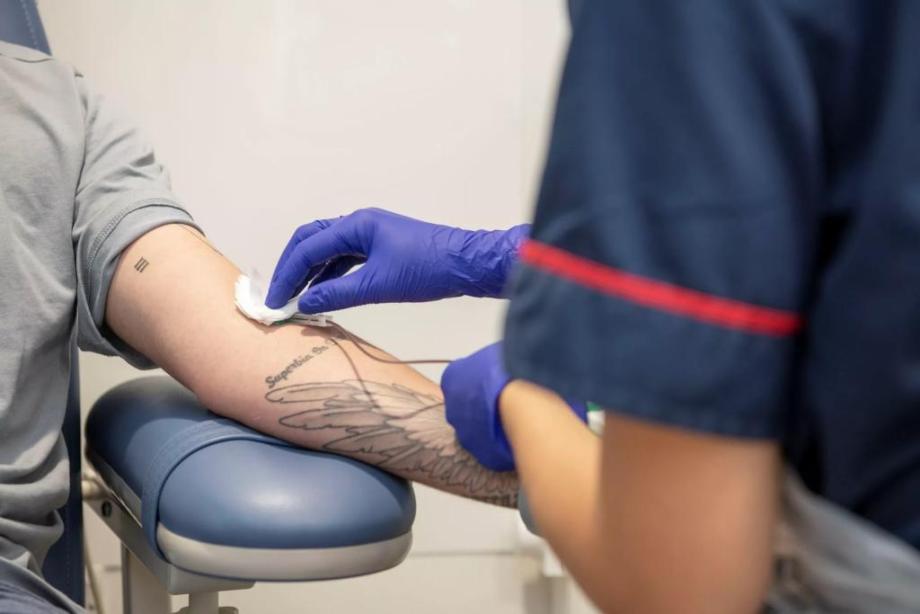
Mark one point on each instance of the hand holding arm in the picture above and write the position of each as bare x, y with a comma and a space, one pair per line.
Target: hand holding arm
405, 260
472, 386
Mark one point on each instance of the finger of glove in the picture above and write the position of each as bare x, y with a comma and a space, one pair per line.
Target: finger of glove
303, 232
340, 293
311, 277
276, 298
311, 252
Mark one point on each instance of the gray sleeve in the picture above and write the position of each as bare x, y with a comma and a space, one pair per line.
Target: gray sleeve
123, 193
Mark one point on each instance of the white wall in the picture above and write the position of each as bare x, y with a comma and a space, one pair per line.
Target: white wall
272, 113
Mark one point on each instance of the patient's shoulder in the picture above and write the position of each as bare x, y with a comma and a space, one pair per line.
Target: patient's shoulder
24, 67
23, 54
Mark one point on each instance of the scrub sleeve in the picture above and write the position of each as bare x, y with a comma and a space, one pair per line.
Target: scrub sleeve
671, 252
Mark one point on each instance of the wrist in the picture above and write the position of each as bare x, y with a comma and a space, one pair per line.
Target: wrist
483, 260
521, 404
513, 238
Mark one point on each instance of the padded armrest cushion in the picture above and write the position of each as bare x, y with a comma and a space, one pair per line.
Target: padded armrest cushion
253, 492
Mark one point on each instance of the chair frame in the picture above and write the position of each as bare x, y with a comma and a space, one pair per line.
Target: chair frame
148, 580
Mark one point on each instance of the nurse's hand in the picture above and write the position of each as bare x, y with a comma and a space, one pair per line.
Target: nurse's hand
471, 389
405, 260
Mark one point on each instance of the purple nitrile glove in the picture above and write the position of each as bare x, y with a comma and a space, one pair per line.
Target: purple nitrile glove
405, 260
471, 389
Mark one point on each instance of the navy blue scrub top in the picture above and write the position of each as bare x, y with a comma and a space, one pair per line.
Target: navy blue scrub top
727, 237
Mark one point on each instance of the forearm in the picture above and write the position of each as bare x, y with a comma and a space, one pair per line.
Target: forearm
558, 460
649, 518
306, 385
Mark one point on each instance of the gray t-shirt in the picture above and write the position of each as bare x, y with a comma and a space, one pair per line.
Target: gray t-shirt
77, 185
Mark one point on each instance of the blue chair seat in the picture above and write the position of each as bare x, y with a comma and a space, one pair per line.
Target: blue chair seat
241, 508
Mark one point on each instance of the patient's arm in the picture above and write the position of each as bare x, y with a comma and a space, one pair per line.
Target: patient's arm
172, 300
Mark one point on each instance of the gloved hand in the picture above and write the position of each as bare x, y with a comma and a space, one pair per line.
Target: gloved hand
471, 389
406, 260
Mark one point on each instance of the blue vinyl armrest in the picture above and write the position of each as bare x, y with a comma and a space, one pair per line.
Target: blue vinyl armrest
238, 504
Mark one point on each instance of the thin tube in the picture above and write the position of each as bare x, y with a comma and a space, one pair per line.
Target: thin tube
359, 344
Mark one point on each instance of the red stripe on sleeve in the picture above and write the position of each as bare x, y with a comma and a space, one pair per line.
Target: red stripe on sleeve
660, 295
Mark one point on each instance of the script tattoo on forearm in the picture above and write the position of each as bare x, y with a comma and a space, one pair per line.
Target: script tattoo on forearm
396, 428
299, 361
295, 364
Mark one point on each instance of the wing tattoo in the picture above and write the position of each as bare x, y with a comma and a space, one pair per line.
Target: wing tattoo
397, 428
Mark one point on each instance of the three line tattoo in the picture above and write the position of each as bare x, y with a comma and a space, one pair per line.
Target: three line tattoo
141, 264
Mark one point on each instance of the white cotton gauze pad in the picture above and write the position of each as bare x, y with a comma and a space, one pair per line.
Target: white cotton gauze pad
250, 300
